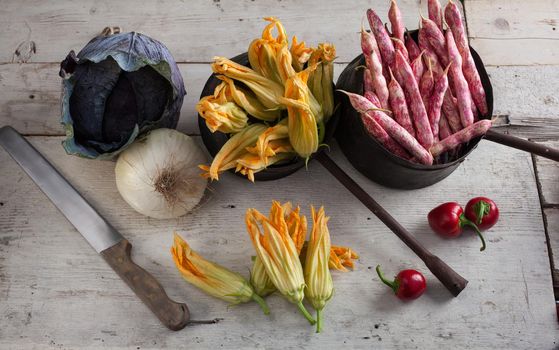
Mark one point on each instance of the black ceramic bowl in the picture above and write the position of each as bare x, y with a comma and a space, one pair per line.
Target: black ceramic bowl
214, 141
371, 158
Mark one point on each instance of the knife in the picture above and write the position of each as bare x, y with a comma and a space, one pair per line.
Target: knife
104, 238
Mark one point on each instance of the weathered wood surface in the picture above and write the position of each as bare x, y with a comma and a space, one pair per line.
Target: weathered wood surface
56, 291
514, 32
194, 30
548, 181
548, 175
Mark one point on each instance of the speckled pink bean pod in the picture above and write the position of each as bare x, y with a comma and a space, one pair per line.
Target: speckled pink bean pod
436, 102
396, 22
472, 131
392, 128
426, 84
460, 84
379, 82
444, 128
435, 13
451, 111
369, 43
376, 131
436, 39
400, 46
429, 55
367, 81
415, 103
371, 96
454, 20
418, 67
381, 35
399, 106
413, 49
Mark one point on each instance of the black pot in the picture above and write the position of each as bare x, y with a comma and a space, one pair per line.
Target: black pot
371, 158
214, 141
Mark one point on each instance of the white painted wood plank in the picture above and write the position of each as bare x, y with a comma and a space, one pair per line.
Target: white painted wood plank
31, 97
55, 291
548, 175
514, 32
194, 31
552, 220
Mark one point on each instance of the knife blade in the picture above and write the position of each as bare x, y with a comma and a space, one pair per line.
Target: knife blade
103, 237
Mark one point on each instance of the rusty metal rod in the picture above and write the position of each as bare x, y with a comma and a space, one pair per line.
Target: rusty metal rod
524, 145
448, 277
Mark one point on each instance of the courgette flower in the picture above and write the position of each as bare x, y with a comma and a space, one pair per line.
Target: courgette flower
272, 141
297, 228
212, 278
225, 117
267, 91
249, 164
302, 127
262, 56
248, 101
321, 79
317, 274
300, 53
278, 254
341, 257
232, 150
285, 64
267, 33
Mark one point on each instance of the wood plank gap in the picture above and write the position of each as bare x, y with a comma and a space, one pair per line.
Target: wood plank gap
553, 270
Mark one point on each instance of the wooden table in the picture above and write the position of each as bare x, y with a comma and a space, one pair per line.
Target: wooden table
56, 292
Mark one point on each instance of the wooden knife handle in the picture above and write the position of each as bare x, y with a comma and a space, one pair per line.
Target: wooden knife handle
173, 315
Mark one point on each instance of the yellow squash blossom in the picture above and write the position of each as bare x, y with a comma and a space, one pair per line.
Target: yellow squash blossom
262, 56
248, 101
248, 164
226, 117
284, 62
278, 254
302, 127
232, 150
321, 79
300, 53
297, 228
267, 33
341, 257
267, 91
317, 274
212, 278
265, 146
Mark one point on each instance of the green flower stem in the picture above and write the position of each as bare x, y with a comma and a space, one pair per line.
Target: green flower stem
392, 284
318, 321
465, 222
262, 303
305, 313
481, 208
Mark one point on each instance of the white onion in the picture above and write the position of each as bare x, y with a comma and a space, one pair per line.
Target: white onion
158, 174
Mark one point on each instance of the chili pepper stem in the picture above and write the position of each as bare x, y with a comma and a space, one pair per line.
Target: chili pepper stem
482, 208
318, 321
391, 284
305, 313
262, 303
465, 222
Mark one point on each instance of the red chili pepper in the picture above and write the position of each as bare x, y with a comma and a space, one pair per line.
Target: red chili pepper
483, 212
407, 285
448, 220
